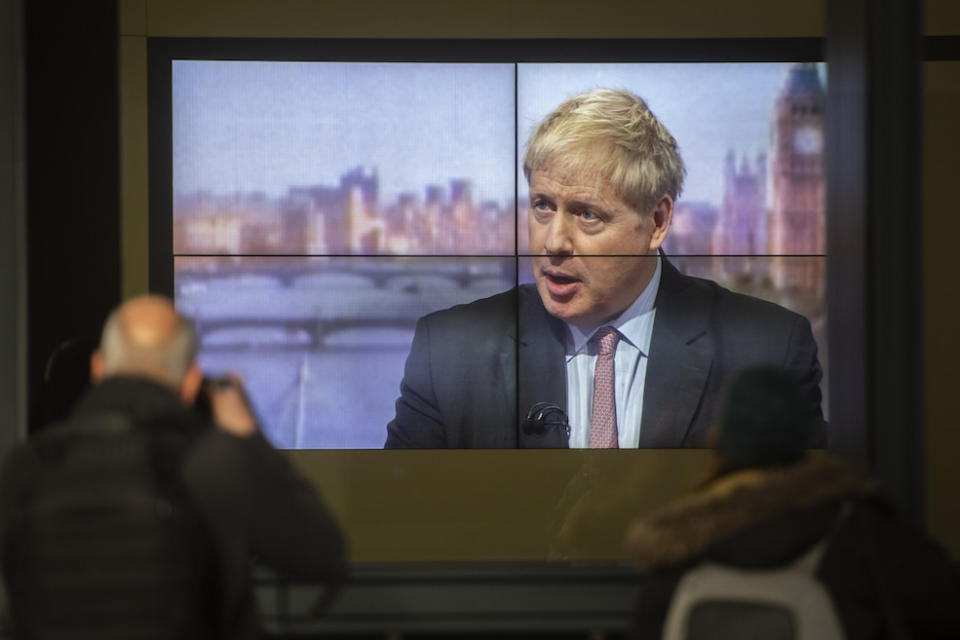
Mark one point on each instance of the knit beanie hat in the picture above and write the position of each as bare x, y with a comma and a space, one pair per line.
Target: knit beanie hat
764, 419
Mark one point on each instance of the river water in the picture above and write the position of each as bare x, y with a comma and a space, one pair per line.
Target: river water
338, 392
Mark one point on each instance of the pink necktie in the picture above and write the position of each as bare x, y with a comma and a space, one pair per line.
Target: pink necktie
603, 415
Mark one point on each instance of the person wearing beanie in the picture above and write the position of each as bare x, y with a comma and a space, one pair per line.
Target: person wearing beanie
767, 501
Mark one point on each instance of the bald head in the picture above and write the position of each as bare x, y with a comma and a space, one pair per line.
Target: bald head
146, 337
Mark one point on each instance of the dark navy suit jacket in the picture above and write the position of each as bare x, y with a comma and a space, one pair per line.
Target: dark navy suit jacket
475, 370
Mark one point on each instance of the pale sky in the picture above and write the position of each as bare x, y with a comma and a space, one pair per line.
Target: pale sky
267, 126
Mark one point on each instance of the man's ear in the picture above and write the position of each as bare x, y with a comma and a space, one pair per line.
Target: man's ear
96, 367
662, 217
190, 386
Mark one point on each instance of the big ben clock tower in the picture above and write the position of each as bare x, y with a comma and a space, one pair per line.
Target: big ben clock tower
796, 223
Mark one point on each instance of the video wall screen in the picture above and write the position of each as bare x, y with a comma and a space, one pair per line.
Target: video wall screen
319, 209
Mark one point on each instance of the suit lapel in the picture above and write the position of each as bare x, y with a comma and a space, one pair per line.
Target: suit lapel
540, 366
681, 354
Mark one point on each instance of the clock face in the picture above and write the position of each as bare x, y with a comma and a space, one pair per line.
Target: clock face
807, 140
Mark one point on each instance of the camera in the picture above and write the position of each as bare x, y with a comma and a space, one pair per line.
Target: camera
203, 406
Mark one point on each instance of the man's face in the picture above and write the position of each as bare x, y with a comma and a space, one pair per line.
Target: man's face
594, 249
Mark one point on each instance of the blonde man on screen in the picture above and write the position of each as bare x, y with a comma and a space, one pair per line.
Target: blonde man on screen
612, 338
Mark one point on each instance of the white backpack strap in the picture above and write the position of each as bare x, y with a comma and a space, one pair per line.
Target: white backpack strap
809, 562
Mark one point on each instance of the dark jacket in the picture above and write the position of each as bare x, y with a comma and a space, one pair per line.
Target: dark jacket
253, 503
475, 370
887, 580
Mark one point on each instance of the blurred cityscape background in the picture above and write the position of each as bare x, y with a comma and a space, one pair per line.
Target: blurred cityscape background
311, 290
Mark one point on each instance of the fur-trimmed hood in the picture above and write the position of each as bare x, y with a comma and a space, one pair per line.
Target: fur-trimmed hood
769, 513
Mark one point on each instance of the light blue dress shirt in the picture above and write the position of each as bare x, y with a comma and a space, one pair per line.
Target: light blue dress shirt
635, 325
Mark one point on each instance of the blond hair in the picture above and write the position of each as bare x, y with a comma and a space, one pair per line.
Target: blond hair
612, 134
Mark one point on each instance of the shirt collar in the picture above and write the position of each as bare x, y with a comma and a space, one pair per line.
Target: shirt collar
633, 324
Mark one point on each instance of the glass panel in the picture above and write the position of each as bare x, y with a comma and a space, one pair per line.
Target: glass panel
320, 341
326, 158
750, 134
686, 351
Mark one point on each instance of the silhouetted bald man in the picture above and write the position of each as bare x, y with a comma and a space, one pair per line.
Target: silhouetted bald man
246, 495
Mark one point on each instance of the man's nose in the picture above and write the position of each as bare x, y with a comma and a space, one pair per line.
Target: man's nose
558, 240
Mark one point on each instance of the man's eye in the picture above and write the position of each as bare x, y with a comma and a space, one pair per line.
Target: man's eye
588, 216
541, 205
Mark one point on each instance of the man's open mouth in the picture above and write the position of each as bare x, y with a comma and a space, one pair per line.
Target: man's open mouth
559, 278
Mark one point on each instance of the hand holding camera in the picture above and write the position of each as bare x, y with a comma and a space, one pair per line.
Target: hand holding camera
229, 406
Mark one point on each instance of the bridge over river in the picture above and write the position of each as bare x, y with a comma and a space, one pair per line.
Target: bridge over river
381, 272
316, 308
